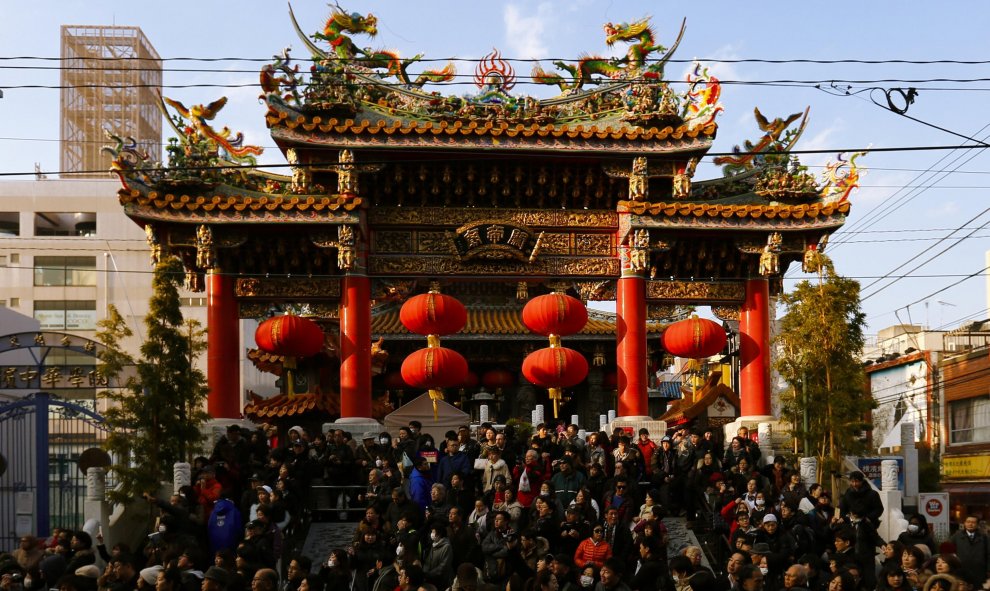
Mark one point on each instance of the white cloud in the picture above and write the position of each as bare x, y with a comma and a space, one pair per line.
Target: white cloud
525, 33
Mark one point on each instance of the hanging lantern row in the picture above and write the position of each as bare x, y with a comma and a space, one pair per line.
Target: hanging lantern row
293, 338
555, 367
434, 314
496, 379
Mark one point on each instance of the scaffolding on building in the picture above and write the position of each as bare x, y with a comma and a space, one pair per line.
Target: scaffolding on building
111, 79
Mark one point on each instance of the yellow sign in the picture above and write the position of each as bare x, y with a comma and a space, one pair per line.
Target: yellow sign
966, 467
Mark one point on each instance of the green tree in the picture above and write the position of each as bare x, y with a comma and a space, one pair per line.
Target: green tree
155, 418
819, 341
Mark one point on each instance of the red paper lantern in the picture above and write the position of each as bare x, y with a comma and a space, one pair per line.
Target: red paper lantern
497, 378
470, 380
433, 313
290, 336
555, 367
555, 313
694, 338
394, 381
434, 368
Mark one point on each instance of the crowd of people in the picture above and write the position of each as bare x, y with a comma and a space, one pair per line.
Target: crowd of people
486, 511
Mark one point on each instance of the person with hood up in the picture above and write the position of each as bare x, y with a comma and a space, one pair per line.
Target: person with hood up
420, 483
224, 525
438, 560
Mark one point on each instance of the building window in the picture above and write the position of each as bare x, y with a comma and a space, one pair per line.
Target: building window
15, 258
65, 224
15, 302
66, 314
192, 302
3, 260
61, 271
969, 420
10, 223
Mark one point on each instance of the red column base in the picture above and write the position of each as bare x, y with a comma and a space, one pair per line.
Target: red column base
355, 348
222, 348
754, 350
630, 307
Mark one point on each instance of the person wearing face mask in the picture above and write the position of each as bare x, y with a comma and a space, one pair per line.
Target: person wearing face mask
917, 533
438, 561
781, 549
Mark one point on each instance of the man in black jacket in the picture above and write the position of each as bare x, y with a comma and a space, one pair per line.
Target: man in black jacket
650, 568
859, 498
973, 549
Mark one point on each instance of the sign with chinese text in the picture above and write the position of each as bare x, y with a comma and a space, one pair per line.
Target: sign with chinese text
966, 467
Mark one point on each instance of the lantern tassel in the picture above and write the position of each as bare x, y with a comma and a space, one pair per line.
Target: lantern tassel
555, 396
436, 395
289, 364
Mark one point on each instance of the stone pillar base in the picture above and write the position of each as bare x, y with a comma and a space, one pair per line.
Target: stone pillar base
778, 430
657, 428
214, 429
893, 523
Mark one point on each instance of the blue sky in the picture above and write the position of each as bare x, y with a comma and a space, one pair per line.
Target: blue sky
898, 215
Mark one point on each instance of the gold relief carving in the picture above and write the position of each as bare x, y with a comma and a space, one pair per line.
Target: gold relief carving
547, 266
660, 311
533, 218
394, 242
596, 291
682, 179
206, 254
346, 248
153, 243
556, 243
694, 291
769, 258
726, 312
392, 290
639, 179
588, 244
280, 287
433, 243
261, 309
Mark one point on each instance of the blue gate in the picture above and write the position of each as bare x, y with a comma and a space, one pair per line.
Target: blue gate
42, 486
45, 434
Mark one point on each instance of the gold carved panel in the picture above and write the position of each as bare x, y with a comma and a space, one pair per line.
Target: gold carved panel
695, 291
555, 243
533, 218
592, 244
542, 267
284, 287
433, 243
393, 242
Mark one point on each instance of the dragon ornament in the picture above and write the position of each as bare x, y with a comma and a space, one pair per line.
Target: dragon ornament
224, 143
702, 100
840, 178
642, 43
126, 159
777, 139
272, 82
346, 53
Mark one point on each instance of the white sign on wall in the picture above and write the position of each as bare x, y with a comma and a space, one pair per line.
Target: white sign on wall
935, 508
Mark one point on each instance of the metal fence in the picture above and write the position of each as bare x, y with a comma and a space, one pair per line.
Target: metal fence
42, 486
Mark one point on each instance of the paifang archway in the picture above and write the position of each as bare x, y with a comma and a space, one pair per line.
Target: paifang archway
393, 188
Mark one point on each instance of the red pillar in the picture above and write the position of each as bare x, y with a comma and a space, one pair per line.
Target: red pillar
754, 349
223, 338
630, 352
355, 347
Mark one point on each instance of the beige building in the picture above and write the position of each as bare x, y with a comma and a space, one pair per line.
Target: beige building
67, 251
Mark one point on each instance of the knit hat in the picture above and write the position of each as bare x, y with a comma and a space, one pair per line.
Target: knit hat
150, 574
90, 570
769, 518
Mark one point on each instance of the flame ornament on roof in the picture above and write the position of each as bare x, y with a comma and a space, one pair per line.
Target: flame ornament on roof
495, 72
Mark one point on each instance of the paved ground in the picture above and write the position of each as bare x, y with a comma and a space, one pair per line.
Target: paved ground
324, 537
